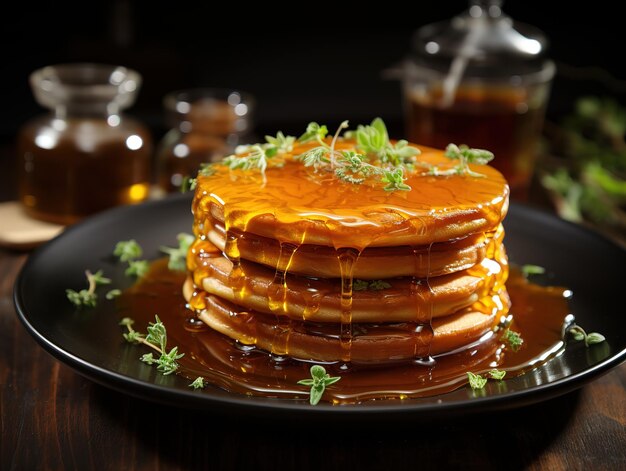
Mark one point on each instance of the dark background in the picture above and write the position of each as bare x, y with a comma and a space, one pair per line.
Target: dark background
306, 61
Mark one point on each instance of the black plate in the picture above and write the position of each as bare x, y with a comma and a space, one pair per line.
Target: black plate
89, 341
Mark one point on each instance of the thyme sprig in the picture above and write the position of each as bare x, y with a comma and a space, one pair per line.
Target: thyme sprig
198, 383
129, 251
514, 339
88, 297
578, 334
371, 285
260, 156
318, 382
178, 255
477, 381
530, 270
156, 338
464, 155
374, 156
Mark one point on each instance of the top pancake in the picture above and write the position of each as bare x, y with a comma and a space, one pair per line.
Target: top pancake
297, 205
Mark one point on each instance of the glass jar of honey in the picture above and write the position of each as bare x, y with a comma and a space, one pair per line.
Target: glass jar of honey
483, 80
206, 124
85, 155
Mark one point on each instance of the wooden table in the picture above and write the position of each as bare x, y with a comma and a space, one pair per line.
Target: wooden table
52, 418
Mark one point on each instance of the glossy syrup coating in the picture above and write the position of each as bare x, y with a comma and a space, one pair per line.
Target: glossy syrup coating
297, 205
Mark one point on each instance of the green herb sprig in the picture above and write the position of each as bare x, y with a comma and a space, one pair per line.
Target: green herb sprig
318, 382
189, 183
129, 251
376, 155
261, 156
371, 285
513, 339
530, 270
579, 334
198, 383
88, 297
464, 155
477, 381
178, 255
157, 340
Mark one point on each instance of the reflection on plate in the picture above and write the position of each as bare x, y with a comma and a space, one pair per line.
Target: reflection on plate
90, 342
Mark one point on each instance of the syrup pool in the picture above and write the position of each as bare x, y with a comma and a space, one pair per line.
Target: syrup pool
538, 314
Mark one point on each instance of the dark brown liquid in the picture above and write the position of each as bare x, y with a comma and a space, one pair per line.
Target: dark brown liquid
182, 155
207, 127
72, 168
538, 317
500, 120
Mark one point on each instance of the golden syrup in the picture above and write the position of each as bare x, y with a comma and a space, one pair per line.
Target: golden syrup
538, 317
297, 206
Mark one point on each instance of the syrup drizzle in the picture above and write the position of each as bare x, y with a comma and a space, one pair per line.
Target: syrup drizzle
231, 365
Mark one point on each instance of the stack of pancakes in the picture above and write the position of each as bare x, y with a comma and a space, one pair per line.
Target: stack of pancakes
299, 263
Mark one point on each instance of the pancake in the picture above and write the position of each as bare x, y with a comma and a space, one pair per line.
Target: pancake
292, 204
373, 263
281, 249
403, 300
371, 342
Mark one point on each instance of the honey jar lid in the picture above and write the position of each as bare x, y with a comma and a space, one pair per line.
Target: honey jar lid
490, 43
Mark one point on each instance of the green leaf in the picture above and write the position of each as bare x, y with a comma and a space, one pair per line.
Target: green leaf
157, 333
577, 333
528, 270
99, 278
378, 285
127, 322
313, 132
133, 336
359, 285
497, 374
198, 383
148, 358
476, 381
137, 268
167, 363
513, 338
395, 180
127, 250
281, 142
315, 157
114, 293
316, 394
82, 298
178, 255
188, 184
593, 338
318, 371
379, 125
328, 381
320, 379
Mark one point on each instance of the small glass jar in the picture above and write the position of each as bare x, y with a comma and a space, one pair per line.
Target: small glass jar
483, 80
206, 124
85, 155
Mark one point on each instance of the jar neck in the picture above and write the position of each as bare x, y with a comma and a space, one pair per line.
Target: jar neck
86, 109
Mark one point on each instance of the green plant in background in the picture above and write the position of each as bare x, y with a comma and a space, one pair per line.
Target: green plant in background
591, 184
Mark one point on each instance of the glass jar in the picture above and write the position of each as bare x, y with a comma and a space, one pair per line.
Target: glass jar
85, 155
482, 80
206, 124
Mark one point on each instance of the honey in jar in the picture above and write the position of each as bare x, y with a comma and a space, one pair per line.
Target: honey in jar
85, 155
